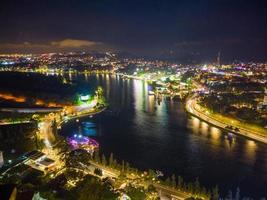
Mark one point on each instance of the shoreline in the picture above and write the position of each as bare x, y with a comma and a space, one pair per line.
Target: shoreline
248, 134
82, 115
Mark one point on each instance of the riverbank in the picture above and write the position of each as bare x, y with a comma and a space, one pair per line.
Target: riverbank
85, 114
224, 123
186, 146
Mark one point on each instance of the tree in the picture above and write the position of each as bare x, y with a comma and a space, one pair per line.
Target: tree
78, 158
111, 162
27, 187
54, 127
96, 156
127, 167
230, 195
237, 194
104, 161
197, 188
190, 187
123, 166
168, 181
151, 173
91, 188
98, 172
180, 182
215, 193
151, 188
100, 96
63, 148
173, 180
115, 164
205, 193
49, 195
136, 193
100, 91
40, 144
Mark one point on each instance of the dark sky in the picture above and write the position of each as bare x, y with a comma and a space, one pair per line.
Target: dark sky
181, 29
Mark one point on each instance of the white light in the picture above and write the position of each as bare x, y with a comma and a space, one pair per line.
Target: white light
84, 97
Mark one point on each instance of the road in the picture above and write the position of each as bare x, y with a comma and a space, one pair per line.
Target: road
106, 172
165, 192
25, 110
191, 107
170, 193
46, 133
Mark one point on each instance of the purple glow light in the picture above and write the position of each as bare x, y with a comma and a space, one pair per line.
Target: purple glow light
82, 140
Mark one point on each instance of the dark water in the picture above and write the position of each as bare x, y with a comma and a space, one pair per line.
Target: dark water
161, 135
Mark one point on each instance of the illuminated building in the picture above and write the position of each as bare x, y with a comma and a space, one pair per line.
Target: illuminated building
85, 97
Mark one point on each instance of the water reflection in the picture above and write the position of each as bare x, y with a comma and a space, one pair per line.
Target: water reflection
70, 77
107, 81
195, 125
162, 136
250, 151
204, 128
151, 104
139, 94
215, 133
88, 128
86, 76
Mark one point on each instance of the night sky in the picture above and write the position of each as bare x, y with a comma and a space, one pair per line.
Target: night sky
181, 30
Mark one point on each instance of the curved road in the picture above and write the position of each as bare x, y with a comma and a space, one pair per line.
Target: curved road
191, 108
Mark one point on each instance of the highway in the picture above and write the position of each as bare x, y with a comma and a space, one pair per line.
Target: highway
191, 107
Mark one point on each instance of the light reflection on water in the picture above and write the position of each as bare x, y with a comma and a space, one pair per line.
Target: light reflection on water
195, 124
204, 128
215, 133
250, 151
160, 135
88, 128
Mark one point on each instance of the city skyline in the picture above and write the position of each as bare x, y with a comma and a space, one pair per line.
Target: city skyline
133, 99
185, 31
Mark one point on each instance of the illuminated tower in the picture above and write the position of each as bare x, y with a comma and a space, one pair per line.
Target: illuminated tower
219, 59
1, 159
